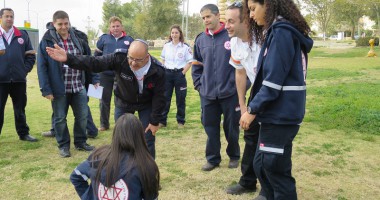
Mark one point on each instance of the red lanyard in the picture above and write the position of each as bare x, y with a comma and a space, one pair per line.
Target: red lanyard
65, 45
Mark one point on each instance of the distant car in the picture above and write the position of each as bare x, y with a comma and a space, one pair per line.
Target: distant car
333, 37
356, 37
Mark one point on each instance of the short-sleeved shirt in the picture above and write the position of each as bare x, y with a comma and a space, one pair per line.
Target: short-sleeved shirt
176, 56
244, 57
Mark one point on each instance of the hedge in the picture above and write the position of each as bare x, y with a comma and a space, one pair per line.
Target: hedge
363, 41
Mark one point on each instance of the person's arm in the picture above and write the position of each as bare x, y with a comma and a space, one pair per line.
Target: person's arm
241, 86
80, 177
189, 60
87, 63
197, 67
158, 102
99, 47
30, 54
42, 71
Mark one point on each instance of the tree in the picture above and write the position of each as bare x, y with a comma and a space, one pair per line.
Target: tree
322, 11
349, 11
110, 8
162, 14
374, 12
195, 26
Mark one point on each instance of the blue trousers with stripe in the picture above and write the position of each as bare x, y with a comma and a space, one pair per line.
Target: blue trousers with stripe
273, 164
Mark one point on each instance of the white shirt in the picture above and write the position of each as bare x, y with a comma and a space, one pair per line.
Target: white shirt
176, 56
140, 73
7, 35
243, 57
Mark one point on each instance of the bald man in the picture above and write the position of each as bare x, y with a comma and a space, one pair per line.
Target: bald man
140, 82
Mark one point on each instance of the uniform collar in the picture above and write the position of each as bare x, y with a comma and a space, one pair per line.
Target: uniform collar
218, 31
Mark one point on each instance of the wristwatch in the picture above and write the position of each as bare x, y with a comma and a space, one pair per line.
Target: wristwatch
250, 111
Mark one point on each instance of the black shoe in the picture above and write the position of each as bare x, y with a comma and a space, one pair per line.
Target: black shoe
28, 138
84, 147
238, 189
64, 152
208, 167
233, 164
91, 136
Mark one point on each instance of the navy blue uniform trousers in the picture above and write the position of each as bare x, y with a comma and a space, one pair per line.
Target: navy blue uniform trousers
273, 164
175, 80
212, 111
251, 136
17, 91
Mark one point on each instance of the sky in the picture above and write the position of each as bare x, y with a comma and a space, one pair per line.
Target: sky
82, 13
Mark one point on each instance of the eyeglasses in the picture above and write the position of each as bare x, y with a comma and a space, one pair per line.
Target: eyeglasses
137, 60
237, 4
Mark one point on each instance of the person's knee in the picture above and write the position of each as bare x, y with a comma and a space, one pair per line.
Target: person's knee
274, 163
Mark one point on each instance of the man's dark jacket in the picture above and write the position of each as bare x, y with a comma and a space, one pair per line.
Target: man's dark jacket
127, 89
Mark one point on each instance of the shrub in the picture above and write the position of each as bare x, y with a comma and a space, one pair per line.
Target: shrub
363, 41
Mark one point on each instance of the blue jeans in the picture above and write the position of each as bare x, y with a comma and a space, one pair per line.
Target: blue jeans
78, 103
144, 116
175, 80
91, 127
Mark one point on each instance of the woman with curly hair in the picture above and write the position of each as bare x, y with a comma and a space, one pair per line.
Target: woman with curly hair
278, 95
122, 170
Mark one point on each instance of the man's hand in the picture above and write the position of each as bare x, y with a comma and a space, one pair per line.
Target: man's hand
245, 120
96, 85
152, 128
50, 97
57, 53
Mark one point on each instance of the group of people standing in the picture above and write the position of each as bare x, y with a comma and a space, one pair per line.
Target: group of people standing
262, 43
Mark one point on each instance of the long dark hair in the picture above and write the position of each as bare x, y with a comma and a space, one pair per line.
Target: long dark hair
128, 138
181, 38
285, 8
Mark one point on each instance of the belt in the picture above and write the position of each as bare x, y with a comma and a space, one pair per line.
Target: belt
174, 70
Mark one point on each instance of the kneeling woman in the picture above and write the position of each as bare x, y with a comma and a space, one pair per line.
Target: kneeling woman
122, 170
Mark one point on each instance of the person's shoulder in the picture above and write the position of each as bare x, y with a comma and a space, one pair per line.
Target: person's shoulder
201, 34
104, 36
156, 62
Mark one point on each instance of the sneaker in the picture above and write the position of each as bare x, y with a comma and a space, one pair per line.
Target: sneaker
48, 134
103, 129
208, 167
238, 189
64, 152
233, 164
161, 125
84, 147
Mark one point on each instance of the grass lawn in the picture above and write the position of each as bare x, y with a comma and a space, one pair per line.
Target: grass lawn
335, 154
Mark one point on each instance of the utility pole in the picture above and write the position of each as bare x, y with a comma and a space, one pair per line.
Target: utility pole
187, 18
183, 14
28, 9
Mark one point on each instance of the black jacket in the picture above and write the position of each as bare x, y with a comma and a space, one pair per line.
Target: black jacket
127, 89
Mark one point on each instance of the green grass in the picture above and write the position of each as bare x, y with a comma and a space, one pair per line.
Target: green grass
335, 154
